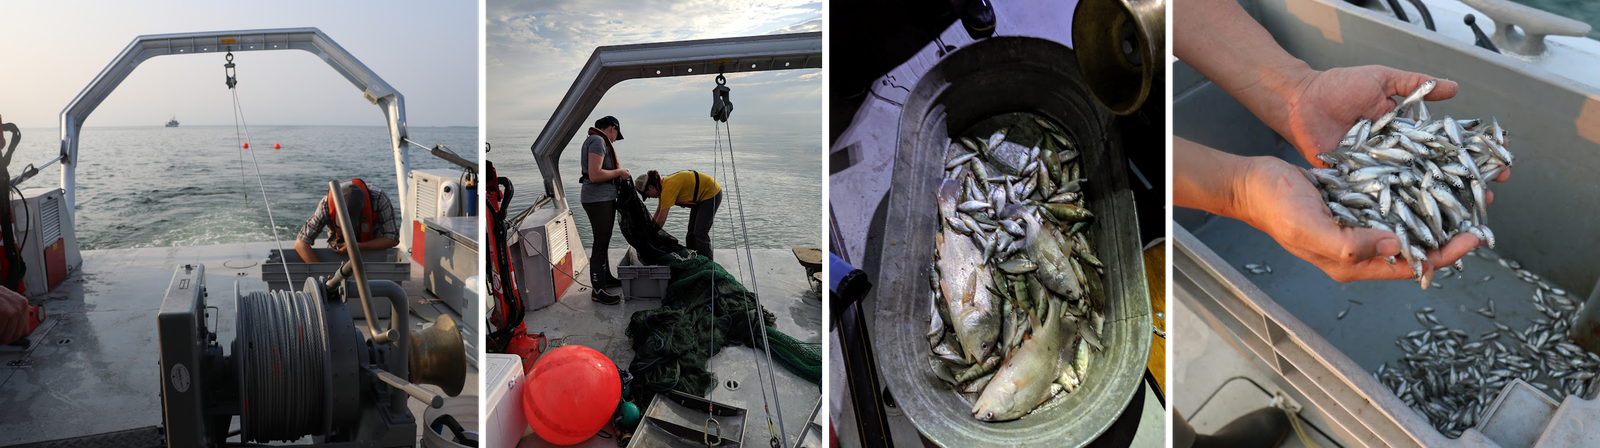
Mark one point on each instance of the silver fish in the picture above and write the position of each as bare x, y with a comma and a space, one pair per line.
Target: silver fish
1416, 176
1416, 95
1023, 381
973, 206
974, 314
1046, 249
960, 160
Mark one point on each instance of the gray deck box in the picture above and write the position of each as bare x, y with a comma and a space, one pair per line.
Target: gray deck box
449, 257
379, 265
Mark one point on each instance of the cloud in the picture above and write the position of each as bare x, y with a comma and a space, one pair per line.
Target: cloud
534, 50
809, 26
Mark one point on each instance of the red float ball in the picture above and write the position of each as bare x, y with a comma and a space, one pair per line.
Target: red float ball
277, 146
571, 393
246, 146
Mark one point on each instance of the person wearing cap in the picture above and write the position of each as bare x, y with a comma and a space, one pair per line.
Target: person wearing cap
602, 173
688, 189
370, 212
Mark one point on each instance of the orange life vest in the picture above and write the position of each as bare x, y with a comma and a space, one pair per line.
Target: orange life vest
610, 150
365, 220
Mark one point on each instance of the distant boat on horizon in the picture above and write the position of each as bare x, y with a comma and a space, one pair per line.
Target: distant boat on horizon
173, 122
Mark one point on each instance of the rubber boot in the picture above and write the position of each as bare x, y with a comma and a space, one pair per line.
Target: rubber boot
609, 280
1265, 428
600, 275
605, 298
600, 278
978, 19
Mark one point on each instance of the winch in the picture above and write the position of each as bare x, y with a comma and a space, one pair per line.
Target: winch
298, 365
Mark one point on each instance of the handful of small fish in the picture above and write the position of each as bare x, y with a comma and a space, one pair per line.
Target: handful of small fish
1421, 178
1016, 287
1452, 379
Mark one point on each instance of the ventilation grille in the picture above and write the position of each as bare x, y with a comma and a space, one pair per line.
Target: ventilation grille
556, 239
50, 216
426, 201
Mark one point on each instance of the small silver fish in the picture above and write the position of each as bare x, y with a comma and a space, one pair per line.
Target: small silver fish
973, 206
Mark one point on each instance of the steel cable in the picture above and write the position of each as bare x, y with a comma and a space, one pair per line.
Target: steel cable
238, 121
284, 376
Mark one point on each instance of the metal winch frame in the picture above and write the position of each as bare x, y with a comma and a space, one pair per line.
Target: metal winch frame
611, 65
298, 366
311, 40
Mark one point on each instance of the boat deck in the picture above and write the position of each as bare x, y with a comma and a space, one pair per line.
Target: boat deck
784, 290
1214, 384
92, 368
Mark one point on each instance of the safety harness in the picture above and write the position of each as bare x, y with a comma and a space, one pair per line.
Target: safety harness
697, 199
365, 221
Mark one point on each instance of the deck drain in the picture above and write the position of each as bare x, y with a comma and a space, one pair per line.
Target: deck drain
732, 384
64, 341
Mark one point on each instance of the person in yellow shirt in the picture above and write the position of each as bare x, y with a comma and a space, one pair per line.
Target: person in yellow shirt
689, 189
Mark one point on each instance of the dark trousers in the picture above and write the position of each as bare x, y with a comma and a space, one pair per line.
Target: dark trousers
602, 218
699, 237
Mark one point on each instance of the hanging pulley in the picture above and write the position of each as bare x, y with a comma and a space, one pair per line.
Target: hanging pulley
227, 69
721, 106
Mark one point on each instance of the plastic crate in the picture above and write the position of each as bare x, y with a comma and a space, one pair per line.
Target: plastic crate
641, 281
1300, 326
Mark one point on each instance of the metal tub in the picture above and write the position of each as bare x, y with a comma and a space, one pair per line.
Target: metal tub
996, 76
1287, 321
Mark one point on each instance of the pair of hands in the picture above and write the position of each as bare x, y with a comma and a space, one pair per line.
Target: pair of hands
1278, 199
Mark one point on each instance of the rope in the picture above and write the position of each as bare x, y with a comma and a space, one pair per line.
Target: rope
766, 343
711, 327
720, 171
238, 121
716, 154
1281, 401
718, 168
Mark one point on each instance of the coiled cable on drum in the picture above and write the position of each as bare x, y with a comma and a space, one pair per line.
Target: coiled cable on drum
284, 366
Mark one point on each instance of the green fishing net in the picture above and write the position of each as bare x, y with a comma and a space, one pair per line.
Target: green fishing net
705, 309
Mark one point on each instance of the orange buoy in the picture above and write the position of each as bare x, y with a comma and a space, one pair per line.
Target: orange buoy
277, 146
246, 146
570, 394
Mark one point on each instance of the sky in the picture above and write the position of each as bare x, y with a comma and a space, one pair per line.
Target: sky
426, 50
535, 49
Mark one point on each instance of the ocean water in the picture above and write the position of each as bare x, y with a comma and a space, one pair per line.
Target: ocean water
779, 159
163, 187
